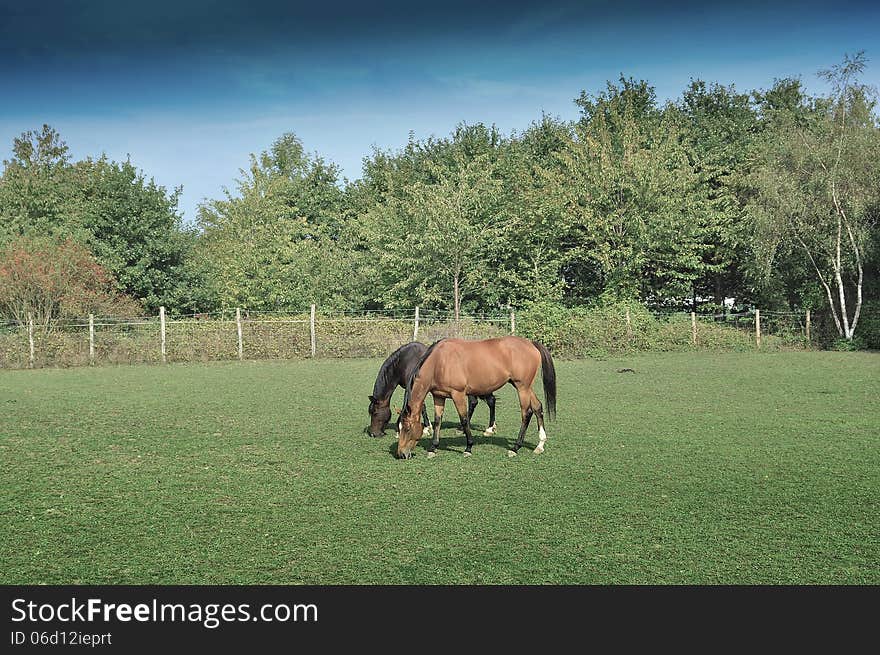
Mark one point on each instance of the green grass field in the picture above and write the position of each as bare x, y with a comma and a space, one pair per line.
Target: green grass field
695, 469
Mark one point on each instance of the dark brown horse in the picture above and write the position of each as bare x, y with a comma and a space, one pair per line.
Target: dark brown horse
395, 371
455, 368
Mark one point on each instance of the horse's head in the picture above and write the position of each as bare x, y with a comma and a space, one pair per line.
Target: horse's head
380, 414
409, 432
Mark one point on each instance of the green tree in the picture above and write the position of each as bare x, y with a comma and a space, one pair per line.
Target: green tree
636, 217
35, 187
817, 189
129, 223
532, 252
438, 234
720, 128
274, 243
133, 227
436, 216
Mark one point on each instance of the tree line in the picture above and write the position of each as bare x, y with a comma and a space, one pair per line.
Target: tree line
770, 197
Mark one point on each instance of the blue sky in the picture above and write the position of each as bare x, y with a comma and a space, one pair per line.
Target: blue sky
189, 89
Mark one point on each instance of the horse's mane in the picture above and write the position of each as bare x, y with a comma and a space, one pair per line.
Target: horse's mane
386, 379
412, 376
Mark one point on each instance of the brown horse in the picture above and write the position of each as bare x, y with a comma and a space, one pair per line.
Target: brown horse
454, 368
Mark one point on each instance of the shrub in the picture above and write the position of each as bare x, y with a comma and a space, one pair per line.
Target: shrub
603, 330
868, 328
51, 280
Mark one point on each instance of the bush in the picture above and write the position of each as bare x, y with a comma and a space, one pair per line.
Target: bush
51, 280
868, 328
847, 345
603, 330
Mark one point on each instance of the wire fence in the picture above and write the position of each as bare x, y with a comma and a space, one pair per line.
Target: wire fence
242, 334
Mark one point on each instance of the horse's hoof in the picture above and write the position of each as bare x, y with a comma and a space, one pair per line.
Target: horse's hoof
539, 450
426, 431
488, 433
431, 454
467, 454
511, 453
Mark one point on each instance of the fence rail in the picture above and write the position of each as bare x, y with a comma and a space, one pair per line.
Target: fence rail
242, 334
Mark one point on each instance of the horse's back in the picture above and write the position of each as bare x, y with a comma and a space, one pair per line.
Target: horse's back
499, 347
413, 350
397, 367
485, 365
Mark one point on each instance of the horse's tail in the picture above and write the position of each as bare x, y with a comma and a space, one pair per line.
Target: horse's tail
548, 376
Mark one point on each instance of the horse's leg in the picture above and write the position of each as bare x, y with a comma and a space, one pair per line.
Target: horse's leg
461, 404
539, 413
490, 401
472, 406
426, 424
439, 406
525, 404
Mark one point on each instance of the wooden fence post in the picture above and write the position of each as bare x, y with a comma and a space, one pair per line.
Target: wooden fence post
91, 339
808, 326
238, 328
30, 329
758, 327
162, 332
416, 325
694, 328
512, 322
312, 329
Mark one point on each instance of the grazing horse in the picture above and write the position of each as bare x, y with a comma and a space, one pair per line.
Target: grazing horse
395, 371
454, 368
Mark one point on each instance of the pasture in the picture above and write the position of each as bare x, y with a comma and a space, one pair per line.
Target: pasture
699, 468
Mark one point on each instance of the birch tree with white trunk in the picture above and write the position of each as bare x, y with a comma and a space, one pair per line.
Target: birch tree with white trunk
818, 189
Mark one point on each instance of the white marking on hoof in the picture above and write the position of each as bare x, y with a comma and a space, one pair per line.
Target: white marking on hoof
542, 437
511, 453
490, 431
467, 454
426, 431
431, 454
